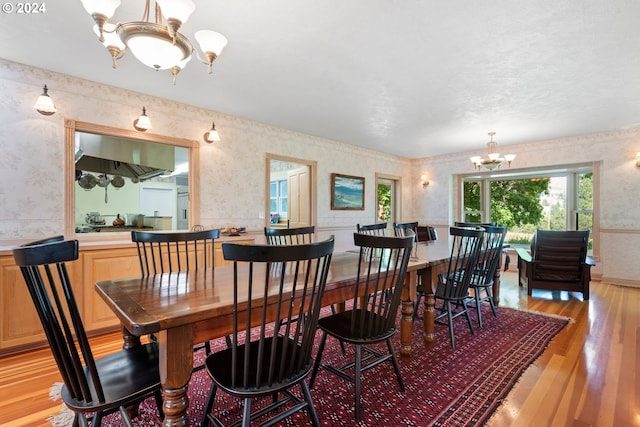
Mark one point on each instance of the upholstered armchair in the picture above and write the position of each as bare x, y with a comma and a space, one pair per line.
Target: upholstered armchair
558, 262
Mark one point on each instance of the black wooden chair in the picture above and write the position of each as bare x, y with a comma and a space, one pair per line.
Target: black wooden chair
268, 363
371, 311
91, 386
401, 229
558, 262
378, 229
427, 233
453, 285
289, 236
484, 272
170, 252
162, 252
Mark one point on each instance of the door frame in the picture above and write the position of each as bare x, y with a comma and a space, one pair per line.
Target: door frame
313, 176
396, 205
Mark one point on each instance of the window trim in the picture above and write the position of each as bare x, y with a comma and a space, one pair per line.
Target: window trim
535, 172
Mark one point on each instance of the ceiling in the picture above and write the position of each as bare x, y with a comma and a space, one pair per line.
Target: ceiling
408, 77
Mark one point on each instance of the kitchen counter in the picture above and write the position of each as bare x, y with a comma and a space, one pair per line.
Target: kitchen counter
109, 228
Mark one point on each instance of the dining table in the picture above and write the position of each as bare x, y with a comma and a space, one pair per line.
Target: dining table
183, 309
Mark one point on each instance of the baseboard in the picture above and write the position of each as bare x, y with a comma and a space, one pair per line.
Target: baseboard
621, 282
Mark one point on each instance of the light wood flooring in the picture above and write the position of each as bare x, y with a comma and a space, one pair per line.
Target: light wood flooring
589, 375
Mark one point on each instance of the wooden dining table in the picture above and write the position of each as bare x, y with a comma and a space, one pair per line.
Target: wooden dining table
187, 308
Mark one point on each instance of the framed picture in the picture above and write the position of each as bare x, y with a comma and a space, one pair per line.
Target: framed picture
347, 192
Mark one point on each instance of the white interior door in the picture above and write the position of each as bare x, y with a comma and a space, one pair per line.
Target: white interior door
299, 195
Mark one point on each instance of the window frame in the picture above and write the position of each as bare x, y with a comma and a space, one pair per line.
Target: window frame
574, 170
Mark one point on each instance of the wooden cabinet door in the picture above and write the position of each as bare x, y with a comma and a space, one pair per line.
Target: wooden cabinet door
19, 323
102, 265
219, 257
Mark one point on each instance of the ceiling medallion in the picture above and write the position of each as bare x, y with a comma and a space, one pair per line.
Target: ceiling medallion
157, 44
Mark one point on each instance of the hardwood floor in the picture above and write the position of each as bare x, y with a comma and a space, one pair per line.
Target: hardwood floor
589, 375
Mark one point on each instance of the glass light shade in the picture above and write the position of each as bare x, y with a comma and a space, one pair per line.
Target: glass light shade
177, 9
494, 156
44, 105
475, 159
143, 122
509, 157
211, 41
101, 7
153, 46
111, 39
213, 136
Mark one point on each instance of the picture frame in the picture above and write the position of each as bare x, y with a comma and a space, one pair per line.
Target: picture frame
347, 192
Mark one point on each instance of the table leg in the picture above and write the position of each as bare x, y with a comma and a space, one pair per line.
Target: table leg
176, 364
130, 340
495, 290
428, 281
406, 319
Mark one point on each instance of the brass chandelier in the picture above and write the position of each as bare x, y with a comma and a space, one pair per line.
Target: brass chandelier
493, 159
157, 44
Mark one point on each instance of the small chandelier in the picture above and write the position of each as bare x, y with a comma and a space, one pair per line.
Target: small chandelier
156, 44
494, 160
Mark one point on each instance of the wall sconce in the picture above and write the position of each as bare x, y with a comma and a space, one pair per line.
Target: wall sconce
425, 181
212, 135
44, 104
638, 159
142, 123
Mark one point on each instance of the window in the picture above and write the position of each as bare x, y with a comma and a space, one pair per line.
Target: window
278, 201
558, 199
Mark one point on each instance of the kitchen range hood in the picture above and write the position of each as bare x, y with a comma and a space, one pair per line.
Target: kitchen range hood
137, 160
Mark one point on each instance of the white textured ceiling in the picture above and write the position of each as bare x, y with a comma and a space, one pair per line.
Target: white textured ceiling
409, 77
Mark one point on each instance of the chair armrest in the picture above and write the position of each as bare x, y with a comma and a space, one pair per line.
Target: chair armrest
523, 254
589, 261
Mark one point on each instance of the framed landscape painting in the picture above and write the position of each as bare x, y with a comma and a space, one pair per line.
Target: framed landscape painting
347, 192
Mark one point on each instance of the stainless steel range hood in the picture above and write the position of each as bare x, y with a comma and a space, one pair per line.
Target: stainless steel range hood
137, 160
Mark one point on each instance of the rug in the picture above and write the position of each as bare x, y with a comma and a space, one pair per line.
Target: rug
443, 387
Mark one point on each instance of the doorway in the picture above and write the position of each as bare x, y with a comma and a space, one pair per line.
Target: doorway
291, 192
387, 199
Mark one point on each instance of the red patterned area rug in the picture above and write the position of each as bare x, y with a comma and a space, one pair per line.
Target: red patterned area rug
444, 387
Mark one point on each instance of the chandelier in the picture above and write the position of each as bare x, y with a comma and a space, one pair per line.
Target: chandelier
157, 44
494, 160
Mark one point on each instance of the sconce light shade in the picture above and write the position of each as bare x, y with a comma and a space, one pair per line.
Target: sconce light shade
425, 181
638, 159
44, 104
212, 135
142, 123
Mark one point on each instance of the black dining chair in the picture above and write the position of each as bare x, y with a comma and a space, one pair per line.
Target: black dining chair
401, 229
378, 229
161, 252
370, 315
289, 236
483, 275
453, 285
268, 358
170, 251
92, 387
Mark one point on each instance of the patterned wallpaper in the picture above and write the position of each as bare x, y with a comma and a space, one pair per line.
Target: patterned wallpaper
233, 171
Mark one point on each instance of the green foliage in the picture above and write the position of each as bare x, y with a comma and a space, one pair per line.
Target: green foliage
384, 202
513, 202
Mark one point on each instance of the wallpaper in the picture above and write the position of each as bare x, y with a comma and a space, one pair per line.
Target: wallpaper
233, 170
